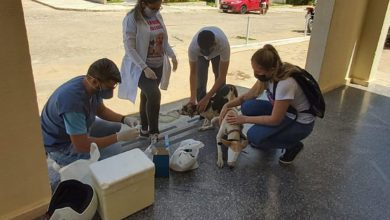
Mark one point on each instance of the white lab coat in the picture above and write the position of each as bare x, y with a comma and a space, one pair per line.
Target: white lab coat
136, 37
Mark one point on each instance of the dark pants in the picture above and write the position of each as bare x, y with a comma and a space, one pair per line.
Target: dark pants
150, 101
202, 74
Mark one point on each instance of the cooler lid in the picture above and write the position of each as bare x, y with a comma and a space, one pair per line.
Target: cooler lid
114, 169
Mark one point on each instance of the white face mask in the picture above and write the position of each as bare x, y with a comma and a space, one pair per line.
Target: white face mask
150, 12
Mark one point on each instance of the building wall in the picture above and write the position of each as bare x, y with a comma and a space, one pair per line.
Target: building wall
370, 44
24, 182
347, 41
336, 31
319, 37
344, 34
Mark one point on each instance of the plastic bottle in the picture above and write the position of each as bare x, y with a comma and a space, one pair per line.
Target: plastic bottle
166, 141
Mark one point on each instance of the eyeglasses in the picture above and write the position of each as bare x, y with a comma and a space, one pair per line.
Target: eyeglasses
111, 85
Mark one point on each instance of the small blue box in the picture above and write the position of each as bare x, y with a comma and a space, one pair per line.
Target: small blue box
161, 162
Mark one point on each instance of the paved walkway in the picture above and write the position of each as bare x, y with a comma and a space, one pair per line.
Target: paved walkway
292, 50
84, 5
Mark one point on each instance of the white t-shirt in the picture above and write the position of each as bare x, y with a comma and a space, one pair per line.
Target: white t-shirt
289, 89
222, 47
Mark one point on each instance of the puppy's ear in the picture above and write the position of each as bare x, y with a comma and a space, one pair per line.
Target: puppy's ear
183, 110
226, 142
194, 110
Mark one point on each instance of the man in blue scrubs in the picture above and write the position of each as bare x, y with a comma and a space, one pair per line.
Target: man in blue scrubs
68, 120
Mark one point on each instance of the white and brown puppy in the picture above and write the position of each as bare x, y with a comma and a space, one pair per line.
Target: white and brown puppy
235, 140
214, 107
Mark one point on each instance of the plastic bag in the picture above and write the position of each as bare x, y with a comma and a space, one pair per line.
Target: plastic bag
79, 170
150, 151
185, 156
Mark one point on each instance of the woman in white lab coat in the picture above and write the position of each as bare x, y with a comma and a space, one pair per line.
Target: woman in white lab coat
146, 62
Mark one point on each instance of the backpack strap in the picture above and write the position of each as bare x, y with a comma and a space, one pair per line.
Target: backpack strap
274, 89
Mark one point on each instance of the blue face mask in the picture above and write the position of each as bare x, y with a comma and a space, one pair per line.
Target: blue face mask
150, 12
106, 93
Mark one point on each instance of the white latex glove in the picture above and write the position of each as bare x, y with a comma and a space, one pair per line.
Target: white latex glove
131, 121
149, 73
174, 63
127, 134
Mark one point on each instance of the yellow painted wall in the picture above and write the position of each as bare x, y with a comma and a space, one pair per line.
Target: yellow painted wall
347, 41
319, 37
370, 47
344, 31
24, 183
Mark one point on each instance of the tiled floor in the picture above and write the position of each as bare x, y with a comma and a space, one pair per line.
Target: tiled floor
342, 172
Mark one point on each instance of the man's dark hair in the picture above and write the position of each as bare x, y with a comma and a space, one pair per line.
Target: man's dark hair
206, 39
104, 70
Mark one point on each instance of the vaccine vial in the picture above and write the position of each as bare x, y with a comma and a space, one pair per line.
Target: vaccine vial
166, 141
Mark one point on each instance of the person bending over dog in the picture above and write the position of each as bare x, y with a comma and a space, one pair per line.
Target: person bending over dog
209, 44
68, 119
276, 125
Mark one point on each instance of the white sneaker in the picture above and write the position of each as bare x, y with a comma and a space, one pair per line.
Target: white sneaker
154, 138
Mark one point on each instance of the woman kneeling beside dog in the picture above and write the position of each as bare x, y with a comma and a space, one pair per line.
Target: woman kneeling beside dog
275, 125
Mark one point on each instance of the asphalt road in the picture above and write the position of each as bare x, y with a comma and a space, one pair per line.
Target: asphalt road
64, 43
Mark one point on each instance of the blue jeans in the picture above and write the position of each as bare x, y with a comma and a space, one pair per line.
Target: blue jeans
285, 135
99, 128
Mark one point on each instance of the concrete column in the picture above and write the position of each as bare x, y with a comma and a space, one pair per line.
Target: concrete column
370, 44
347, 41
336, 30
319, 37
24, 182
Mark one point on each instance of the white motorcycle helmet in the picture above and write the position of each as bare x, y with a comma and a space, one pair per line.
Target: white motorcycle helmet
72, 200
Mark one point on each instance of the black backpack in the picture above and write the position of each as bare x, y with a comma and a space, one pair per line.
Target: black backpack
312, 91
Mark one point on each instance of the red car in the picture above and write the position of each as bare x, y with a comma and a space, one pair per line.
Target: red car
241, 6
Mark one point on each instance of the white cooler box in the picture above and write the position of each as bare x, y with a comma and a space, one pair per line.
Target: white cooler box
124, 184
